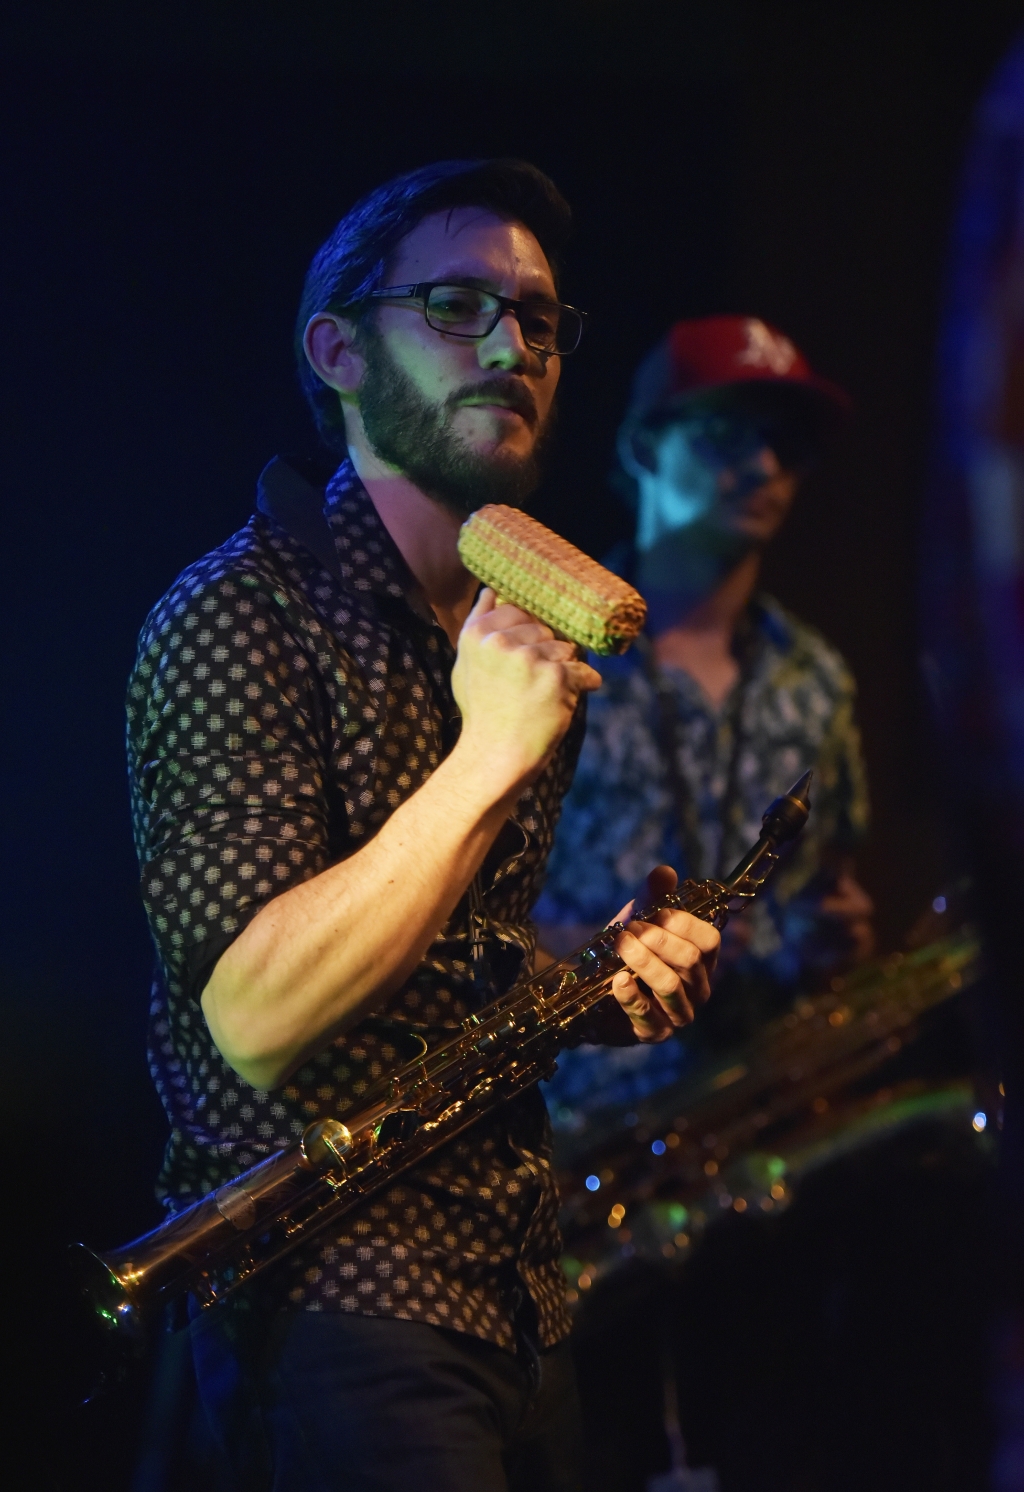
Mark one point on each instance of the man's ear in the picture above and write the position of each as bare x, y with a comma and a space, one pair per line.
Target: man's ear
635, 452
329, 345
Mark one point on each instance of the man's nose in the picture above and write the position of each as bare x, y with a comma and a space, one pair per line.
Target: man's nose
504, 347
749, 471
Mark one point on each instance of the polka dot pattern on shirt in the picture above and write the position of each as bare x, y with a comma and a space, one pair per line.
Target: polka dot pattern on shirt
277, 714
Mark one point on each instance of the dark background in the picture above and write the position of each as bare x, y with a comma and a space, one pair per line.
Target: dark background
167, 175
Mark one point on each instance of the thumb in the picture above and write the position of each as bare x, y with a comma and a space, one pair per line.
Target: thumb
486, 601
661, 881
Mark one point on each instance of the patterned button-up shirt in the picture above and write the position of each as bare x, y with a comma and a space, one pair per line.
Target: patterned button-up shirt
278, 713
792, 709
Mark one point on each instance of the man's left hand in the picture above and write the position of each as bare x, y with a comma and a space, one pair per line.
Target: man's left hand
850, 910
674, 955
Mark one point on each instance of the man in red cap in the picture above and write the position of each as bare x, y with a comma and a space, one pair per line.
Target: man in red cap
727, 700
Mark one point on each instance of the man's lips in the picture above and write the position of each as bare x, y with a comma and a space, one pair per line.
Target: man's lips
757, 507
495, 406
503, 401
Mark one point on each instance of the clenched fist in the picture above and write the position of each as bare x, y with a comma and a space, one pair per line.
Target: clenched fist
517, 687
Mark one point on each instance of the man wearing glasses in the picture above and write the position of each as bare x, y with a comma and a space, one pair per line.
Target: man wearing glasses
346, 770
727, 699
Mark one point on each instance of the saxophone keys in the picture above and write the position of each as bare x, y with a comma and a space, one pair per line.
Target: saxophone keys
325, 1142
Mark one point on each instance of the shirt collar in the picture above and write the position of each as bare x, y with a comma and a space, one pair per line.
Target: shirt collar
369, 560
765, 622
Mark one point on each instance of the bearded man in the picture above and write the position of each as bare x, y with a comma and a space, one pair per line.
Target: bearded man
338, 747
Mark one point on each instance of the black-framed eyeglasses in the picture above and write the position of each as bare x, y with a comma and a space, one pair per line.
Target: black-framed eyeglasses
465, 311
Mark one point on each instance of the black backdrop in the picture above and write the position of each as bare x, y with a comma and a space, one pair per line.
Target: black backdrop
166, 179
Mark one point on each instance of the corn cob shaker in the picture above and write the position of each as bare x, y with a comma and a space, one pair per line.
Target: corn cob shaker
527, 564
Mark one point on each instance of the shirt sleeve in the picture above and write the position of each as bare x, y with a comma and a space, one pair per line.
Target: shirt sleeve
228, 737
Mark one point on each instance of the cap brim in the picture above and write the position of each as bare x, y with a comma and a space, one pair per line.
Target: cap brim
823, 406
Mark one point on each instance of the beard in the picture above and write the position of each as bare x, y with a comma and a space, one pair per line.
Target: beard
415, 435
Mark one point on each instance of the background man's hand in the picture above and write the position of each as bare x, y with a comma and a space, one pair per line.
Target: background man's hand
517, 687
674, 955
850, 909
842, 932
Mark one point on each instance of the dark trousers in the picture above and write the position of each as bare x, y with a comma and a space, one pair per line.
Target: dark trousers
326, 1402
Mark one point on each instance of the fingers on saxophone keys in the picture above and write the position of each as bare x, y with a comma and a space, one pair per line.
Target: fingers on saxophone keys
671, 967
675, 967
702, 936
649, 1020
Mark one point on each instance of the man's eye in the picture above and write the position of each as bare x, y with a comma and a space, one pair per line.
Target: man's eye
455, 304
540, 320
720, 432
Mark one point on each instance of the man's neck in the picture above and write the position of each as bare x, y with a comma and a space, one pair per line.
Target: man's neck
696, 632
716, 608
426, 534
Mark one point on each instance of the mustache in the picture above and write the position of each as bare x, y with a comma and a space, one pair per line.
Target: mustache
499, 390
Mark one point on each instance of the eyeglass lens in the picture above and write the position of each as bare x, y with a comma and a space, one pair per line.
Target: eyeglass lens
465, 312
731, 438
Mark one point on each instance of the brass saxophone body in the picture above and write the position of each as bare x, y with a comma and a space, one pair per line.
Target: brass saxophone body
225, 1239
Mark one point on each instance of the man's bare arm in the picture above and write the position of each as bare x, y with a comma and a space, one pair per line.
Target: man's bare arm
322, 954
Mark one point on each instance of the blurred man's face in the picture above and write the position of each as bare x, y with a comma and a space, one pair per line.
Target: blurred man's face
465, 419
713, 473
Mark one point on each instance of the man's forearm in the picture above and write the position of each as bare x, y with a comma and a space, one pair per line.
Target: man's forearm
322, 954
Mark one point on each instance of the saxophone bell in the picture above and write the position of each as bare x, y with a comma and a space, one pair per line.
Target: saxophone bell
108, 1332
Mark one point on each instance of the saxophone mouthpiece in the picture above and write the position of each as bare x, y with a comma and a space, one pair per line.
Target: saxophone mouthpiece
801, 789
788, 814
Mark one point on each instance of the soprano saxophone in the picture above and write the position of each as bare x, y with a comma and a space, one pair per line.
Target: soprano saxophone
229, 1236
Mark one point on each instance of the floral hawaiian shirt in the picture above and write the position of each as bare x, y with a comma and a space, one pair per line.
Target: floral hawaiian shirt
793, 709
281, 707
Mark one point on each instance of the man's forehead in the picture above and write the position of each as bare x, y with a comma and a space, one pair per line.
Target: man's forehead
474, 243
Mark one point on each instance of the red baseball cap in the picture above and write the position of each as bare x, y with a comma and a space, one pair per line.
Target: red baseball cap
722, 352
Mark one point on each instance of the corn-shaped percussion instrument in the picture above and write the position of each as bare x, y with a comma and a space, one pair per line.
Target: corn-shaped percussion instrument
527, 564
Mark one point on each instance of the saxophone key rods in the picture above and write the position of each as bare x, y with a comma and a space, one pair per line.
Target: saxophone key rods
226, 1238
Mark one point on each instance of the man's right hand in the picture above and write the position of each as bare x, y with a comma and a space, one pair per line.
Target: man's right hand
517, 687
